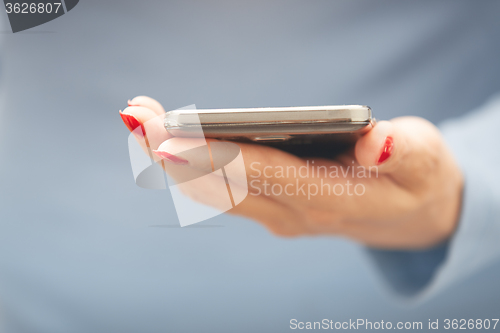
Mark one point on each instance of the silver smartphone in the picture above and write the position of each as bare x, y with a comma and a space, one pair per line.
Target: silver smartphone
300, 130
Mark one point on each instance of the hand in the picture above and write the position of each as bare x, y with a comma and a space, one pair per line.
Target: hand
408, 197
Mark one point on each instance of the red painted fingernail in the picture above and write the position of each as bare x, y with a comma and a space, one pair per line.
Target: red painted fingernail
170, 158
387, 150
129, 103
131, 122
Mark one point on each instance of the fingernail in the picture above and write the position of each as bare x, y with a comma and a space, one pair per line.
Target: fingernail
387, 150
129, 103
170, 158
131, 122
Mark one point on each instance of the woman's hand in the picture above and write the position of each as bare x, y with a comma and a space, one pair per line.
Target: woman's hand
399, 188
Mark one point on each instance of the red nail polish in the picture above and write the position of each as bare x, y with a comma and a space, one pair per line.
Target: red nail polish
387, 150
131, 122
170, 158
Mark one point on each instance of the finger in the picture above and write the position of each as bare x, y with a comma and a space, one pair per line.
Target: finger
188, 151
211, 190
198, 155
267, 171
220, 153
323, 199
151, 124
406, 149
147, 102
377, 146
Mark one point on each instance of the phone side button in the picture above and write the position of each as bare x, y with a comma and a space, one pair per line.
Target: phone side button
272, 138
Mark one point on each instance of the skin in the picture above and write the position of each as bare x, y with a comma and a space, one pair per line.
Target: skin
412, 203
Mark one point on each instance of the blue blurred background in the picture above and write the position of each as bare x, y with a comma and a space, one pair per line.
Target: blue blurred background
80, 245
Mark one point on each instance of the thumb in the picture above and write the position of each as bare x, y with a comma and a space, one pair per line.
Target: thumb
407, 149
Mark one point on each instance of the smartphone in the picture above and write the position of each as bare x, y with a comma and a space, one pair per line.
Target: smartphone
299, 130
